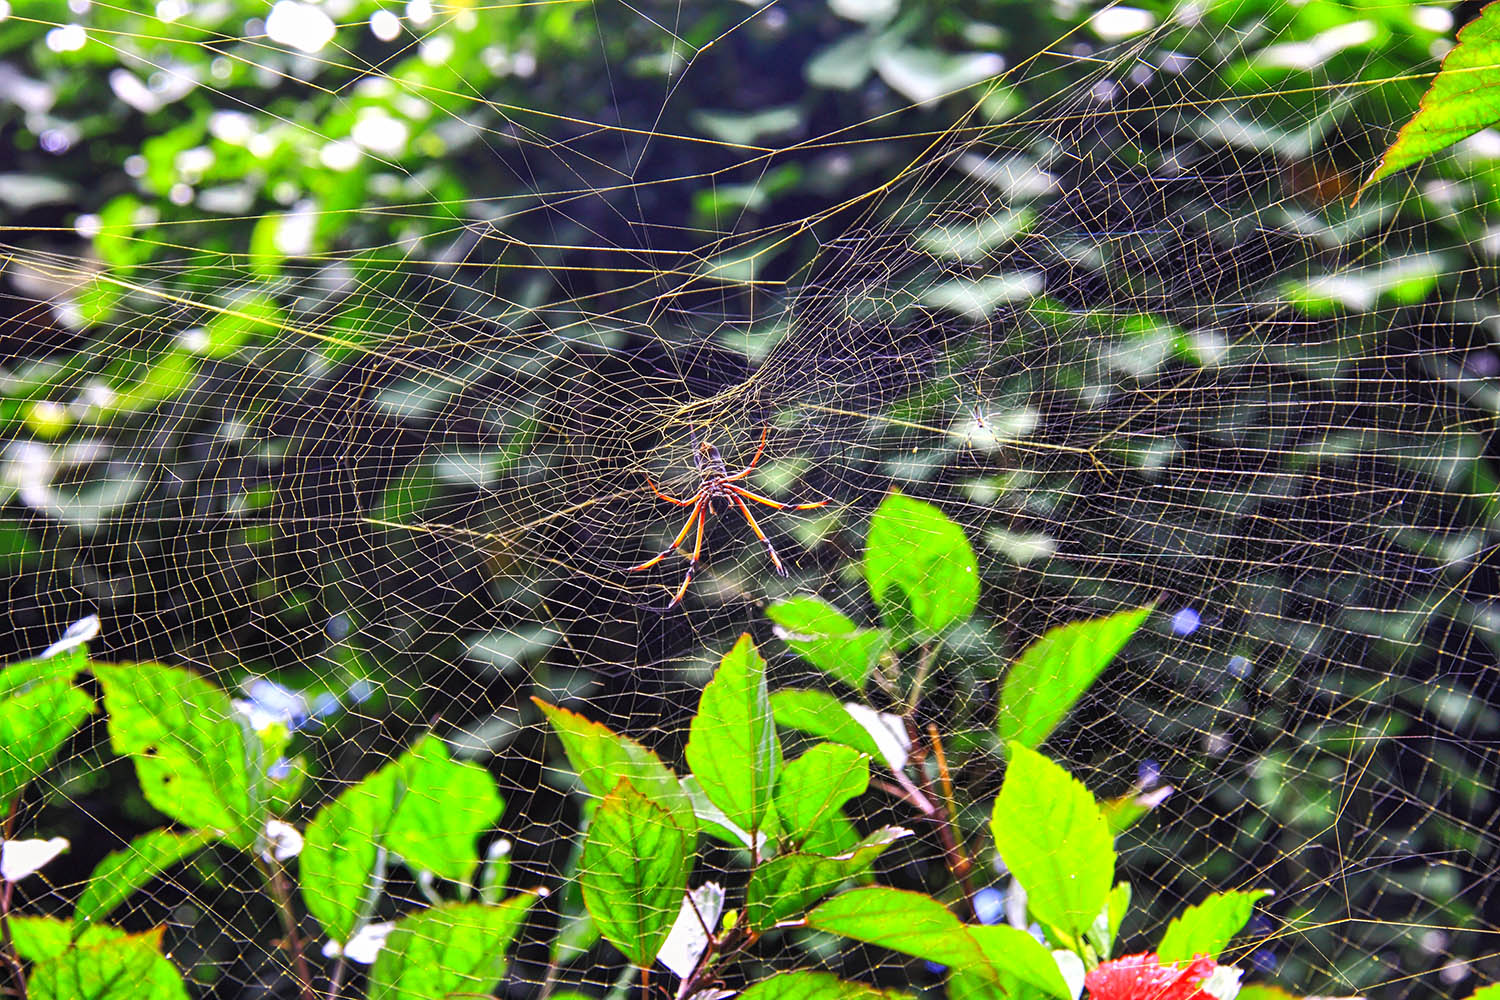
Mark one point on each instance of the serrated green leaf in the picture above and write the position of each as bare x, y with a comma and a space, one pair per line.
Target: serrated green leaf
1050, 833
1463, 98
424, 807
819, 713
340, 849
601, 757
444, 806
107, 967
1206, 929
123, 872
919, 566
815, 986
193, 757
1014, 952
23, 675
732, 747
35, 720
828, 639
909, 922
634, 870
1054, 672
817, 784
786, 885
456, 948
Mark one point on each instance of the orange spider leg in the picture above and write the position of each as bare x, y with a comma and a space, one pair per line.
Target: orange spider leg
748, 495
669, 499
700, 516
758, 451
681, 536
775, 559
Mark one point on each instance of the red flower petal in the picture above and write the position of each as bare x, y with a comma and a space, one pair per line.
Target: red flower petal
1143, 977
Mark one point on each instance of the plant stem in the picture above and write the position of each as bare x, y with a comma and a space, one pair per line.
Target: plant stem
292, 940
958, 860
7, 944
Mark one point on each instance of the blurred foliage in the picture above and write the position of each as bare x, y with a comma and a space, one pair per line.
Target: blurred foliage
263, 307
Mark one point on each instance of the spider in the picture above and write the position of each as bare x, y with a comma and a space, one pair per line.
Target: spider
716, 492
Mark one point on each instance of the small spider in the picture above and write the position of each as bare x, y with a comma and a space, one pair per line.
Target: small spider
716, 492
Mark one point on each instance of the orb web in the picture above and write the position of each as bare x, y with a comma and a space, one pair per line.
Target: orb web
377, 417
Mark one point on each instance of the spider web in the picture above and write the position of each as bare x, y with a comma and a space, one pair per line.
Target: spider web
1106, 304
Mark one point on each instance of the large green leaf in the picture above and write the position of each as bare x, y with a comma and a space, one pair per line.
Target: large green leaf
1015, 953
193, 756
35, 719
827, 638
123, 872
1206, 929
634, 871
985, 958
908, 922
815, 986
919, 566
817, 784
107, 965
444, 806
786, 885
732, 747
1054, 672
424, 807
601, 757
456, 948
1050, 833
1463, 98
821, 714
340, 851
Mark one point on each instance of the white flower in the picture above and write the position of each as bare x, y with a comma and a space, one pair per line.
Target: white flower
1223, 983
283, 841
19, 858
364, 945
77, 634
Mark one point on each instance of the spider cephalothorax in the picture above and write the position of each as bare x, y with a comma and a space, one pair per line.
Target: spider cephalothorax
718, 490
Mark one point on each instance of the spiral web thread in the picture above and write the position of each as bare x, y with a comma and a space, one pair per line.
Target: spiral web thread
1119, 323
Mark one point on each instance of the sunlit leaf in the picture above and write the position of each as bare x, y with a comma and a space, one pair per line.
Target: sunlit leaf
1206, 929
1051, 835
920, 566
634, 871
125, 871
732, 746
1054, 672
456, 948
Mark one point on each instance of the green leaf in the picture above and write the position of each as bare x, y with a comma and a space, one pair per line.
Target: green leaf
815, 986
1014, 952
908, 922
914, 549
35, 719
1490, 992
602, 757
1105, 930
634, 871
711, 819
1206, 929
444, 806
423, 806
26, 674
732, 747
827, 638
124, 871
821, 714
340, 851
786, 885
456, 948
817, 784
108, 967
192, 755
1054, 672
1051, 835
1463, 98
